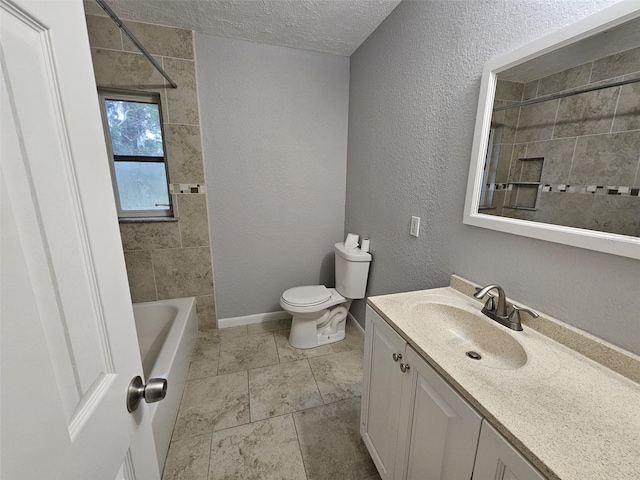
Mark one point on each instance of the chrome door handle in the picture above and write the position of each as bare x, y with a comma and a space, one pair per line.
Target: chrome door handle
154, 391
396, 357
404, 367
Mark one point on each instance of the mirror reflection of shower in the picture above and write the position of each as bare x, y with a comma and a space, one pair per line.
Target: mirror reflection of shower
564, 142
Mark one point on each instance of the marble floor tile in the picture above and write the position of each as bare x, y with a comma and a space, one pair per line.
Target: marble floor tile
353, 340
287, 353
281, 389
332, 448
263, 450
204, 360
251, 351
229, 332
274, 326
188, 459
339, 376
212, 403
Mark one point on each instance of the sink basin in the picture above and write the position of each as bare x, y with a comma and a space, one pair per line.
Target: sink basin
465, 331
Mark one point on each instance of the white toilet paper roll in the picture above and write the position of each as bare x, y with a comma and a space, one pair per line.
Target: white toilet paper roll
352, 240
365, 245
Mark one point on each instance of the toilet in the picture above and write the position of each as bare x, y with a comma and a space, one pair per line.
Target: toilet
318, 312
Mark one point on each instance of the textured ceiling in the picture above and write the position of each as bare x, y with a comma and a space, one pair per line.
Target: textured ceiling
332, 26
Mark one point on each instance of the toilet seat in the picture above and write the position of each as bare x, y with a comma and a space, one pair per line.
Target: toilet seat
310, 299
307, 296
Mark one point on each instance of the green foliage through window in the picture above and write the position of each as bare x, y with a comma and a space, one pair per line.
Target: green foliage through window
138, 163
134, 128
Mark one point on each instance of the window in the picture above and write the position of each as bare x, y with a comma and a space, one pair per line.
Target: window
133, 130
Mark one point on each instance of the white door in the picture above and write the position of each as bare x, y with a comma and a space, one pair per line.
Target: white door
438, 442
497, 459
382, 389
68, 341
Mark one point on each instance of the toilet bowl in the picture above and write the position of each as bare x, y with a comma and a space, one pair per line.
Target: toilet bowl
318, 312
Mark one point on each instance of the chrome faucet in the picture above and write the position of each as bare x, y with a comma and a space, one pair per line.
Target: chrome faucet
498, 311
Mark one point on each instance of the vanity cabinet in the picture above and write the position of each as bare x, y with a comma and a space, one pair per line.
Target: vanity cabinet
497, 459
382, 384
417, 427
414, 424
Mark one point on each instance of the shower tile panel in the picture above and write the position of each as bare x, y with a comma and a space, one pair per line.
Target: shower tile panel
150, 235
586, 114
184, 154
191, 210
182, 272
103, 33
610, 159
117, 63
571, 78
628, 111
159, 40
536, 122
140, 275
614, 65
183, 101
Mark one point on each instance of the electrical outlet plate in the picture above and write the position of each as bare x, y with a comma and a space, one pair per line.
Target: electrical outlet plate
415, 226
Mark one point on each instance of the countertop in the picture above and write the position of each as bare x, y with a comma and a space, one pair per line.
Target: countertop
568, 415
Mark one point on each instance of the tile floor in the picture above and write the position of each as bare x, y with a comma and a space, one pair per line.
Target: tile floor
256, 408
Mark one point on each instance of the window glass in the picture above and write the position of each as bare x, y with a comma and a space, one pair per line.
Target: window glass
142, 185
134, 128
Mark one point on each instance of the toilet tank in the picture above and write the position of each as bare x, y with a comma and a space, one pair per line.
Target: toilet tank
352, 271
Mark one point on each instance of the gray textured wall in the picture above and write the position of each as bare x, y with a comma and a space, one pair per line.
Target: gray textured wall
274, 123
413, 99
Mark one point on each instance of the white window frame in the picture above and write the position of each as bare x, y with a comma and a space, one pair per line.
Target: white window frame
140, 97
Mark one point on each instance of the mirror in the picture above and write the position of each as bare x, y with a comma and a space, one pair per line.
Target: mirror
556, 151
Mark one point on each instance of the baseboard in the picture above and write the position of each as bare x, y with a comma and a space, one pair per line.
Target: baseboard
273, 316
354, 323
251, 319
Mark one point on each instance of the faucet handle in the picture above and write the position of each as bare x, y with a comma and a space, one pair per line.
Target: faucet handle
514, 316
490, 304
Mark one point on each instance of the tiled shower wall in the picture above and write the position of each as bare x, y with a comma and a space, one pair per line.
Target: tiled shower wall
588, 141
164, 259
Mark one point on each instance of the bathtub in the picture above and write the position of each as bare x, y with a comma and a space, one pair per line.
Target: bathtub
167, 332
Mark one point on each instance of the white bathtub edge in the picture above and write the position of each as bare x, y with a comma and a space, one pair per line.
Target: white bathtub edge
173, 364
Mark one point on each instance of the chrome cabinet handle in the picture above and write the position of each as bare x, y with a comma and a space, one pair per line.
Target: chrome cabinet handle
154, 391
404, 367
396, 357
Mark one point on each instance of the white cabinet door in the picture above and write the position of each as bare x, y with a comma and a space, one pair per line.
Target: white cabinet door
68, 340
381, 393
497, 459
439, 439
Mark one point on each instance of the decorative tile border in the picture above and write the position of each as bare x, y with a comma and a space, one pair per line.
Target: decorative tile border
625, 191
606, 354
186, 188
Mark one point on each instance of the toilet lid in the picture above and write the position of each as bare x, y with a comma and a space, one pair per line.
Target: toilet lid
310, 295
